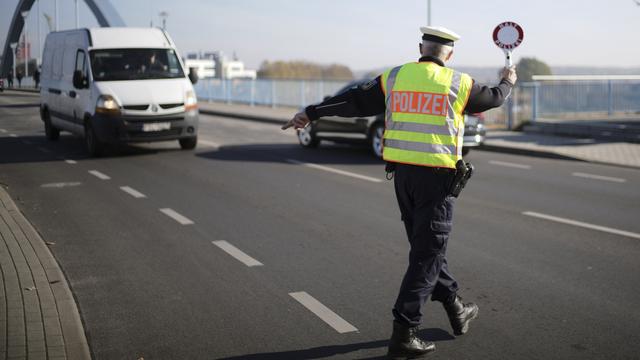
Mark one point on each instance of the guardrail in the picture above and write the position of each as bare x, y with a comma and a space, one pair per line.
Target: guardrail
274, 93
560, 98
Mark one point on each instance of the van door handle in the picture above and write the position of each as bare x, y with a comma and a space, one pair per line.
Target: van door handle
72, 94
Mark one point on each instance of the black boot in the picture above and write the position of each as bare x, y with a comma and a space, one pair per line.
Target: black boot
405, 343
460, 315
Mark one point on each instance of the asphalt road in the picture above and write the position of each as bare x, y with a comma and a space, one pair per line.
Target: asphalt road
548, 248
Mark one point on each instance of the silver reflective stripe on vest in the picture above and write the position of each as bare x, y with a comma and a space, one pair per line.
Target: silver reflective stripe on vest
453, 95
422, 128
391, 81
421, 147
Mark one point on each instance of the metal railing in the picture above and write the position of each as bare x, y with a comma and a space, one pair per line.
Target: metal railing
274, 93
559, 99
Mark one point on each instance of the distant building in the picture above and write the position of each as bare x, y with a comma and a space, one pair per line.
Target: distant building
205, 68
223, 68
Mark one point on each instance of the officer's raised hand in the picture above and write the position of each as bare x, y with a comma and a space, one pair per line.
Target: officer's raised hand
299, 121
509, 74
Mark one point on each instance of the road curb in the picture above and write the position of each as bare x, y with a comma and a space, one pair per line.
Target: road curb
37, 288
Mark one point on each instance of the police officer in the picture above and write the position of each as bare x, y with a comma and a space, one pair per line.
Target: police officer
424, 103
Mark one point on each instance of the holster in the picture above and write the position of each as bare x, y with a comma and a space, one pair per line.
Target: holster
464, 171
390, 168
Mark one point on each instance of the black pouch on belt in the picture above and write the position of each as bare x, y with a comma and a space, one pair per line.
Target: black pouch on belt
390, 168
464, 171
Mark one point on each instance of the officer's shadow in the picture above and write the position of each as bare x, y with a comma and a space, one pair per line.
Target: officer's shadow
432, 334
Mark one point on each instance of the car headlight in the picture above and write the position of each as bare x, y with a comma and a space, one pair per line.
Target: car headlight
190, 101
106, 104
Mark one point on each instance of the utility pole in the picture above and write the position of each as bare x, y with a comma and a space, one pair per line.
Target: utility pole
164, 15
429, 12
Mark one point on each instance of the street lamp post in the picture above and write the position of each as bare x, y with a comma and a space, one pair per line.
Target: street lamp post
13, 51
55, 14
77, 16
164, 15
25, 53
39, 36
429, 12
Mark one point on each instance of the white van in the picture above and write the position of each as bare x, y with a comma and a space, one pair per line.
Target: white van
117, 85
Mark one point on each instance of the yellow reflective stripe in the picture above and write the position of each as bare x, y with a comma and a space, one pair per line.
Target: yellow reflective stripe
419, 146
420, 158
420, 137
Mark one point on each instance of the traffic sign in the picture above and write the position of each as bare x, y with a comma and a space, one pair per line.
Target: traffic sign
507, 36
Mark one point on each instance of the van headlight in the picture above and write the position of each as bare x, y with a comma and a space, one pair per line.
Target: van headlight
107, 105
190, 101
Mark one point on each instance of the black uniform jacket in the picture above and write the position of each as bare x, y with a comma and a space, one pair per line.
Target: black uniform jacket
368, 99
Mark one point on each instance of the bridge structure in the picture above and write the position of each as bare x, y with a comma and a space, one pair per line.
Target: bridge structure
103, 10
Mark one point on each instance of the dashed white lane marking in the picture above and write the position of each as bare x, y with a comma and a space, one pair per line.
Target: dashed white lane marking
599, 177
324, 313
177, 217
133, 192
69, 161
99, 175
335, 171
582, 224
44, 150
237, 253
13, 135
209, 144
3, 131
59, 185
509, 164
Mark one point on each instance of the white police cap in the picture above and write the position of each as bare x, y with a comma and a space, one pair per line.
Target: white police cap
439, 35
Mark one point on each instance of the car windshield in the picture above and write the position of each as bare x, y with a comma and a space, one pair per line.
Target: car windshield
135, 64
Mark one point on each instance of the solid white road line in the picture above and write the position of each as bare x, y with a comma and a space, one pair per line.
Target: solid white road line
131, 191
582, 224
335, 171
508, 164
69, 161
599, 177
237, 253
99, 175
209, 144
13, 135
61, 185
177, 217
323, 312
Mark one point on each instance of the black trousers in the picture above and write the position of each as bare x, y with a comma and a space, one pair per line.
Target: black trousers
427, 213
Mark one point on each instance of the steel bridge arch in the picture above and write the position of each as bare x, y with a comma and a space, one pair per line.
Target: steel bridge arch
103, 10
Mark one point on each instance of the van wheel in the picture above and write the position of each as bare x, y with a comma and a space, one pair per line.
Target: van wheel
188, 143
307, 138
51, 132
377, 131
94, 146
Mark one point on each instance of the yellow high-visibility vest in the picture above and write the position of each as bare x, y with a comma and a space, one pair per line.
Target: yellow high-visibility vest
424, 123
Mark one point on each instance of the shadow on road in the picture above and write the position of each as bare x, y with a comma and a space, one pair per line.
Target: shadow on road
279, 153
432, 334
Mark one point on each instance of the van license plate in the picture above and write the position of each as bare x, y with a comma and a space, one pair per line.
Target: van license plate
156, 126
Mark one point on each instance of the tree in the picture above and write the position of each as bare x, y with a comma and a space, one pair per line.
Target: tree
303, 70
527, 67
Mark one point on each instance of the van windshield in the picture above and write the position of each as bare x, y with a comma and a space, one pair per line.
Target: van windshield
135, 64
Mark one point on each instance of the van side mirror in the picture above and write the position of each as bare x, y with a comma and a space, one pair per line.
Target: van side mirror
79, 80
193, 75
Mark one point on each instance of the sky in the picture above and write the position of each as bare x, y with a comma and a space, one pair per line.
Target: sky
373, 34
